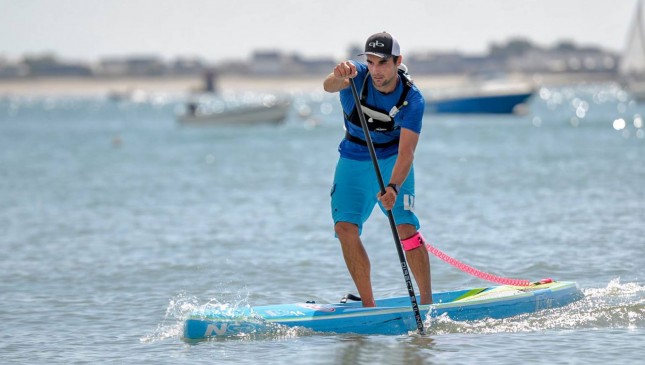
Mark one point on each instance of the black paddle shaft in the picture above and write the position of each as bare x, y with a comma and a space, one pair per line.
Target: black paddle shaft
390, 216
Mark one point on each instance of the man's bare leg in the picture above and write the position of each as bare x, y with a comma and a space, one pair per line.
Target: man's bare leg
419, 263
356, 259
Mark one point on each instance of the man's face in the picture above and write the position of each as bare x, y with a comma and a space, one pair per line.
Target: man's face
383, 72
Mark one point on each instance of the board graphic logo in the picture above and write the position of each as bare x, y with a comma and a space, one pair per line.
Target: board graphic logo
213, 329
228, 328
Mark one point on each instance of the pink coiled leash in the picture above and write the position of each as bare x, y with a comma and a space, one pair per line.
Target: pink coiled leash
478, 273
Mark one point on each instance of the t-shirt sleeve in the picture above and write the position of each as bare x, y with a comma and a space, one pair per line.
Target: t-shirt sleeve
411, 116
346, 97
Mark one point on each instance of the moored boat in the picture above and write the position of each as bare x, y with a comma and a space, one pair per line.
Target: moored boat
485, 94
503, 103
269, 111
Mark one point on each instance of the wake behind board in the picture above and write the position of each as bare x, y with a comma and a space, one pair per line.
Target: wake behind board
391, 316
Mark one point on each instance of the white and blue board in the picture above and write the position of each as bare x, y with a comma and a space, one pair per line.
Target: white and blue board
391, 316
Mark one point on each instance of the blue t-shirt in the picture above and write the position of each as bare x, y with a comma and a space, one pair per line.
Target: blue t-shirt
410, 116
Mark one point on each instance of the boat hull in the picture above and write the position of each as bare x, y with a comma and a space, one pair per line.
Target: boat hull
480, 104
391, 316
249, 115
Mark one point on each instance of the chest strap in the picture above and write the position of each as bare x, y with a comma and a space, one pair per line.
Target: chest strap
357, 140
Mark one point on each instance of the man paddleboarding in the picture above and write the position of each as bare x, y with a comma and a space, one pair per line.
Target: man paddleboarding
393, 107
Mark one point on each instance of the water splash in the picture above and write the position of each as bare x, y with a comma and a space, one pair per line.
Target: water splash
227, 304
171, 326
249, 325
182, 305
614, 306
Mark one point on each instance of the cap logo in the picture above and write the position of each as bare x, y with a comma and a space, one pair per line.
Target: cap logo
376, 44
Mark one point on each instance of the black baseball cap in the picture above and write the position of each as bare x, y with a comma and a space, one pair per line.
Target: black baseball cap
382, 45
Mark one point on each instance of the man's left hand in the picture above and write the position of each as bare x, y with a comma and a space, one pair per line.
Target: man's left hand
388, 199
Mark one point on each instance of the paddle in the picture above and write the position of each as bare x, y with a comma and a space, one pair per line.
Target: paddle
390, 216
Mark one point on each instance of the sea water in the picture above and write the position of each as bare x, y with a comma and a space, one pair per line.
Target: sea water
116, 222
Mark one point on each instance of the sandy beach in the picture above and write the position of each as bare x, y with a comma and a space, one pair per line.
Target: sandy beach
68, 86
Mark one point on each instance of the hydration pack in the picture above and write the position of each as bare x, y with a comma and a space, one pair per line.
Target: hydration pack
380, 120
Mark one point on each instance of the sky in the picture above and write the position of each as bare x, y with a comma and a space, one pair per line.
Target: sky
217, 30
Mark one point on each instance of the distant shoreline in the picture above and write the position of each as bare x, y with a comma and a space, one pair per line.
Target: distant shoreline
69, 86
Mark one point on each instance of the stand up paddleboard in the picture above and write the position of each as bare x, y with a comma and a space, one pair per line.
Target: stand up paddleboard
391, 316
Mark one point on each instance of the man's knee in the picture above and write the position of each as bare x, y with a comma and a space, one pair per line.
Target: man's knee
345, 229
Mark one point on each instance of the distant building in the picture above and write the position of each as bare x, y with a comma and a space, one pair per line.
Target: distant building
132, 66
309, 66
12, 69
48, 65
187, 66
267, 63
435, 63
557, 61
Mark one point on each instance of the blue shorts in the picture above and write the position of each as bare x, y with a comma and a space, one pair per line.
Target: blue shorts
353, 194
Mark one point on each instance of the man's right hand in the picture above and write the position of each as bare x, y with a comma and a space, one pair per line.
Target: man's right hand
339, 78
345, 70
